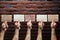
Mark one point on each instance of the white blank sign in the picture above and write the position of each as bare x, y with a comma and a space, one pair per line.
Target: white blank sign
18, 17
6, 18
42, 17
30, 17
53, 17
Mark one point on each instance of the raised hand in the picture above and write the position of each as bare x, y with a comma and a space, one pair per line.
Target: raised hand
29, 24
53, 24
4, 25
40, 27
4, 28
17, 24
28, 35
40, 24
17, 28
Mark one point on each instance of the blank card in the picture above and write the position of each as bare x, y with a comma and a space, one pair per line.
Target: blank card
53, 17
30, 17
6, 18
18, 17
41, 17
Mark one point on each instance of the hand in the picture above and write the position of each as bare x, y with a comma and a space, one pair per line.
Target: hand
4, 26
17, 24
29, 24
53, 24
41, 24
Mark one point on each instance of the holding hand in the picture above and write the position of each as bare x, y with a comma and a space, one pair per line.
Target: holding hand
53, 24
40, 24
4, 25
29, 24
17, 24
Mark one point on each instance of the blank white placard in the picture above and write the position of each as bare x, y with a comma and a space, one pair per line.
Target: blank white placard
41, 17
18, 17
54, 17
6, 18
30, 17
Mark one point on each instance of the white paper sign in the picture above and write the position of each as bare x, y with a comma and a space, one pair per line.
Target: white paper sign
6, 18
30, 17
18, 17
53, 17
41, 17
